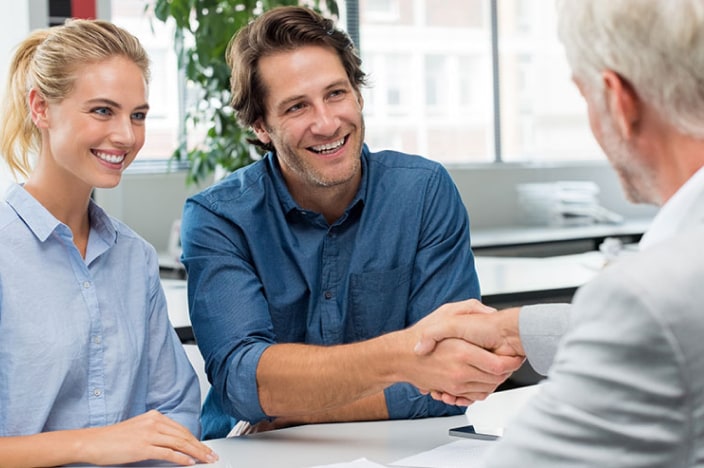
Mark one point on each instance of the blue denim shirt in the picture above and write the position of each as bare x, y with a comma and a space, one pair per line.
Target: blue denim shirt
262, 270
84, 342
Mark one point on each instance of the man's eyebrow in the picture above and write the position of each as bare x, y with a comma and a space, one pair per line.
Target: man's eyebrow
286, 102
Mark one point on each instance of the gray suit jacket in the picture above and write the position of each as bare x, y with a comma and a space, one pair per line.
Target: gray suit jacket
627, 384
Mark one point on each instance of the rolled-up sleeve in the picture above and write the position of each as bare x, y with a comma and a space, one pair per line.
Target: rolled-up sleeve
541, 328
404, 401
228, 310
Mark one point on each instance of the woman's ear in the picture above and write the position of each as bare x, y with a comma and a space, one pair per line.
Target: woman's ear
260, 131
38, 108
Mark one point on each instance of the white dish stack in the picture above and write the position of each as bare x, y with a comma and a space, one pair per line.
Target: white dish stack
563, 203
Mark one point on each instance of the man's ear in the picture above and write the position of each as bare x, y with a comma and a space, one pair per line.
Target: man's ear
260, 131
360, 100
622, 102
38, 108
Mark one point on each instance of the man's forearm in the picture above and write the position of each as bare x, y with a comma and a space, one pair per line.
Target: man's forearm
297, 380
370, 408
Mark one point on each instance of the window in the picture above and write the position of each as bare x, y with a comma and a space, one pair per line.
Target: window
543, 118
447, 70
433, 89
166, 108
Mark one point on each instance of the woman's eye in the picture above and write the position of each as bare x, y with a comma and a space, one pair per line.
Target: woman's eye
139, 116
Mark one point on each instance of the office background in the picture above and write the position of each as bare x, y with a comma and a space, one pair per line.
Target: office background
530, 149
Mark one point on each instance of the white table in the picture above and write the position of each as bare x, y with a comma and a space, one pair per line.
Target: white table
530, 235
382, 442
379, 441
177, 302
509, 281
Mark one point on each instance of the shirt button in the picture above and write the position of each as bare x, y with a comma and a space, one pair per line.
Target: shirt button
86, 284
328, 295
97, 392
96, 340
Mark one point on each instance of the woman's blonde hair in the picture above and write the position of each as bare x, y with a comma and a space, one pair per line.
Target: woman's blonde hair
48, 60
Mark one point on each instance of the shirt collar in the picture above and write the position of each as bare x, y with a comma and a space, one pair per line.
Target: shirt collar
42, 223
287, 201
676, 212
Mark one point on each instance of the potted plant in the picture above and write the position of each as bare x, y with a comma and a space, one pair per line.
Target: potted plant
203, 29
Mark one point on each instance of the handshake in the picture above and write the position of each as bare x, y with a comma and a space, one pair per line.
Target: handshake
465, 350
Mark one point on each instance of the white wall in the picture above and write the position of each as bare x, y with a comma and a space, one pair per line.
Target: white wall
148, 203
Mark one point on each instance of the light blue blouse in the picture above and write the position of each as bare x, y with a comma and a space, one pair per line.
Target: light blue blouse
84, 342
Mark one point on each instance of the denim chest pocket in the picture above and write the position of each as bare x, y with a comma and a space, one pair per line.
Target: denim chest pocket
379, 300
288, 316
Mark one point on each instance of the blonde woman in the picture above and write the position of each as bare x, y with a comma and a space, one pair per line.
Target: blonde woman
90, 369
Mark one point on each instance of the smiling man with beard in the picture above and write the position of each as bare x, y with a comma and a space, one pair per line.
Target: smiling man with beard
308, 270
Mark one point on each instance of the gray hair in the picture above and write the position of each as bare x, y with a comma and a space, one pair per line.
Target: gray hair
655, 45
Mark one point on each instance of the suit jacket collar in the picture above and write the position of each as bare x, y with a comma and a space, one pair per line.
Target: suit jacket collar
682, 212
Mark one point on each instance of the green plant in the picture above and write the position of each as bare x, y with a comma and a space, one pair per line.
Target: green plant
203, 29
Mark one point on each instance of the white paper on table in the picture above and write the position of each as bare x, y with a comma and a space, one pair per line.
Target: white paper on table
359, 463
465, 453
489, 416
492, 415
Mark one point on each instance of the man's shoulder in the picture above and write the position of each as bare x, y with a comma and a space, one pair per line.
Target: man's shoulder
390, 160
659, 277
677, 253
246, 182
405, 170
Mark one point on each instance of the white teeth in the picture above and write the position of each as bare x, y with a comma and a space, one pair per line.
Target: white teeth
111, 158
329, 146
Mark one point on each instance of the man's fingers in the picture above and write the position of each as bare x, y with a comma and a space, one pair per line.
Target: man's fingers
424, 346
449, 321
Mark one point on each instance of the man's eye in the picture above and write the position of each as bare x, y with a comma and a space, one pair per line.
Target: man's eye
102, 111
139, 115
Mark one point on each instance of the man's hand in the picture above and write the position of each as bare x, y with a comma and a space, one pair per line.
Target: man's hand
475, 323
462, 371
492, 348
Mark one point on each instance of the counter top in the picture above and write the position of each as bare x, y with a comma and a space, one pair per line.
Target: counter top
522, 235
